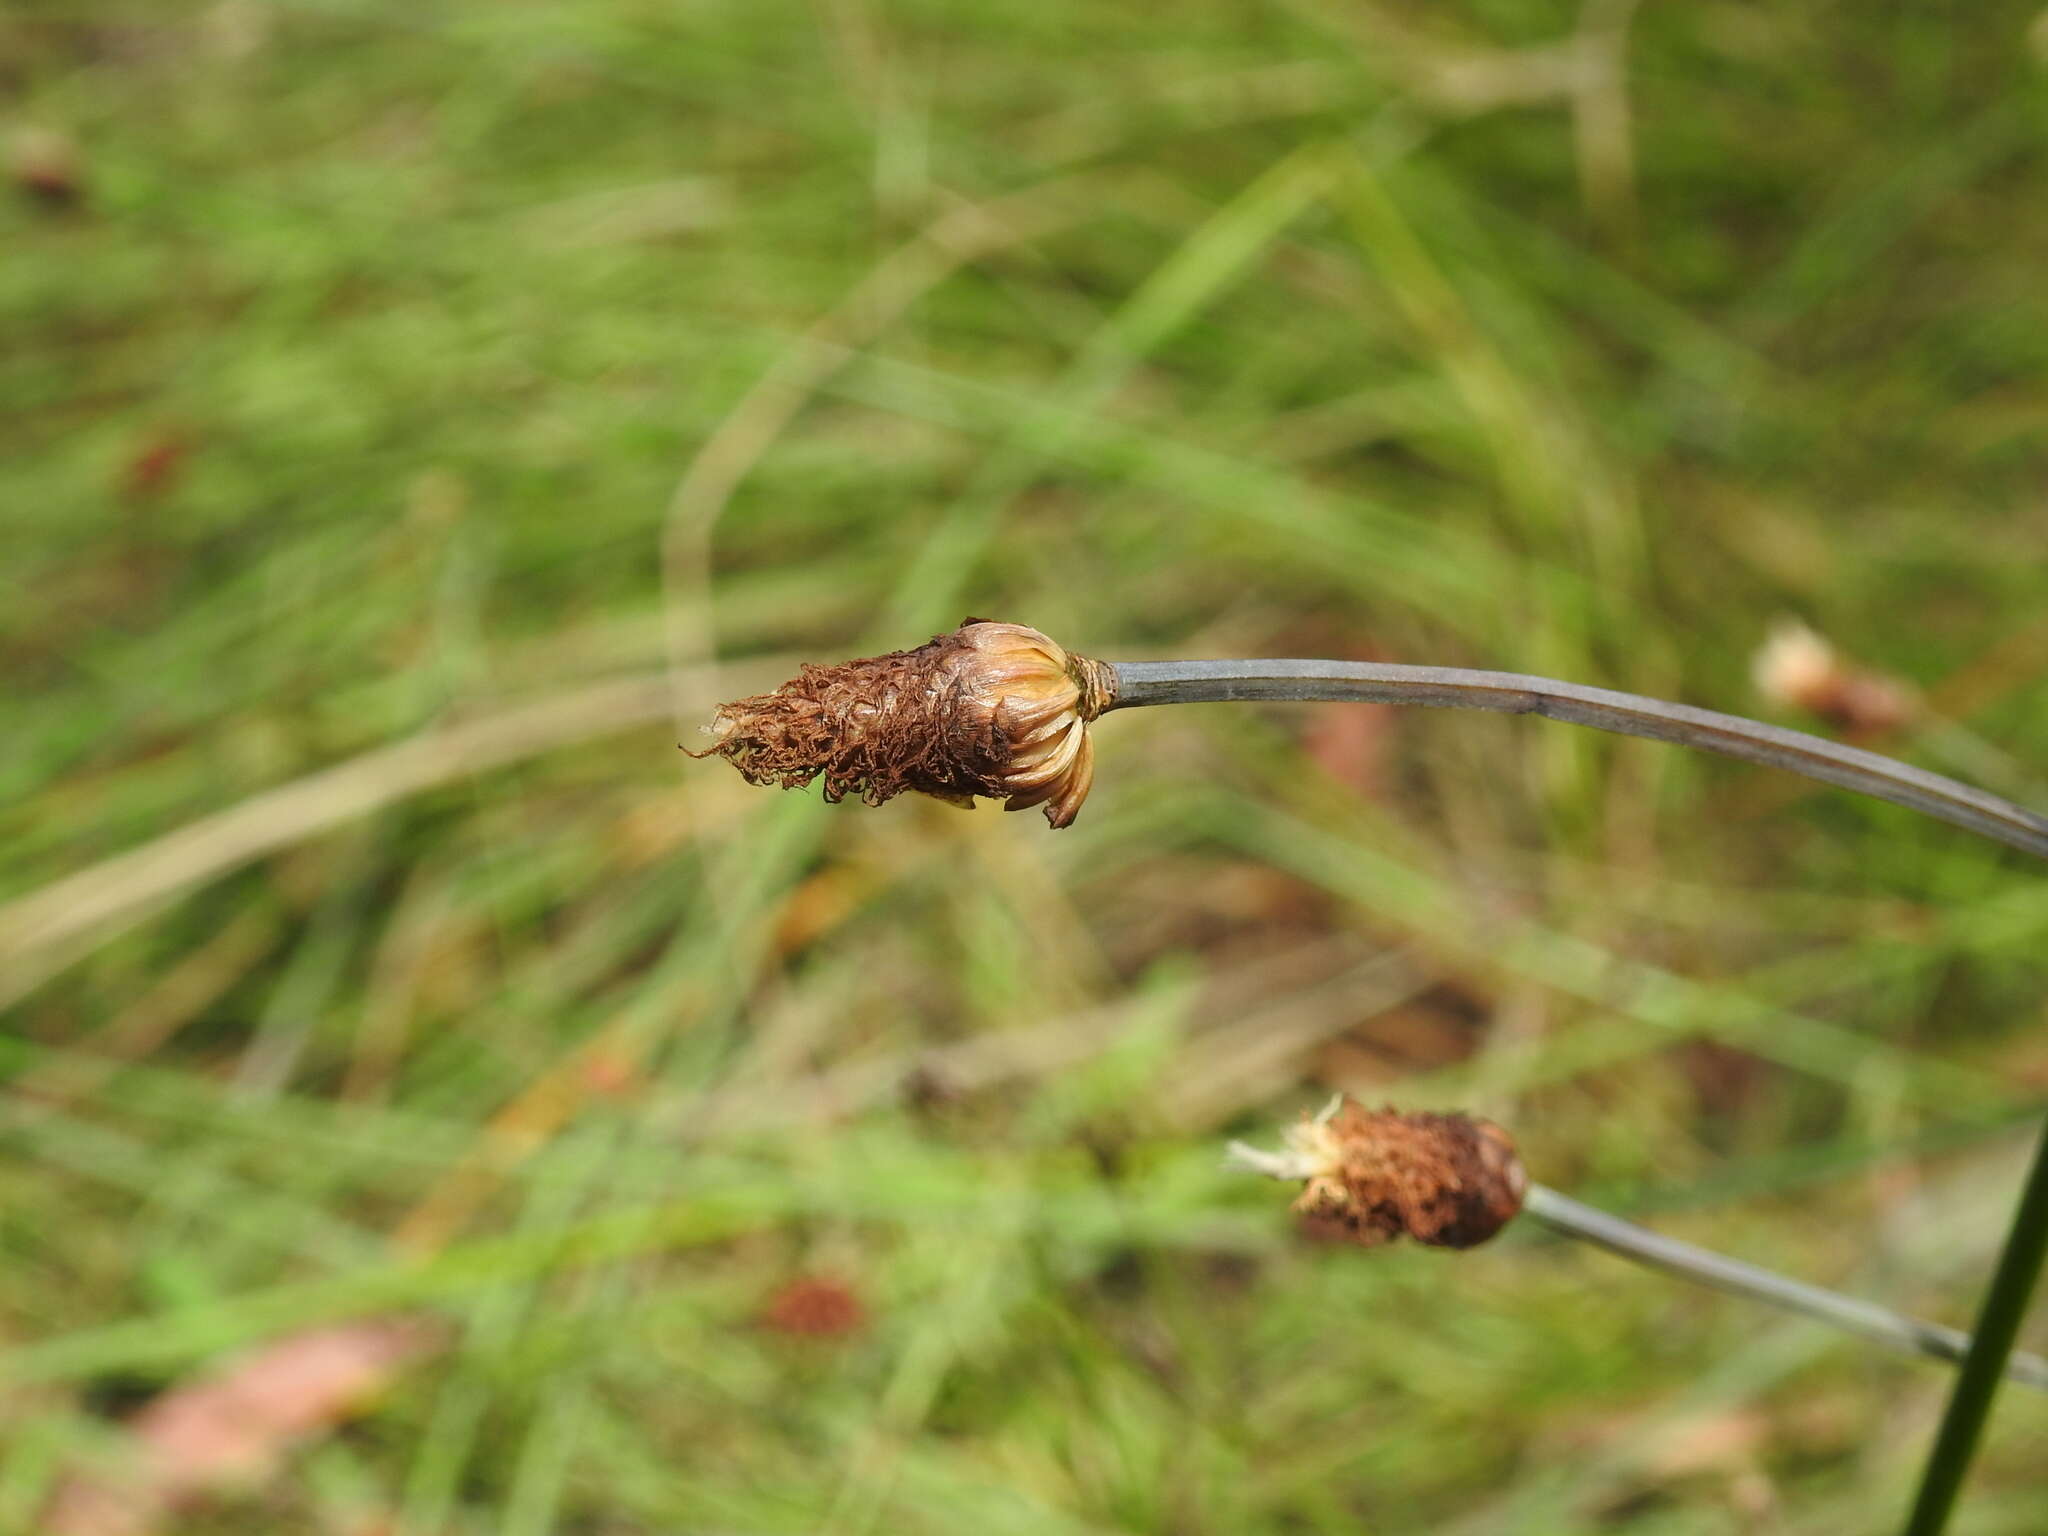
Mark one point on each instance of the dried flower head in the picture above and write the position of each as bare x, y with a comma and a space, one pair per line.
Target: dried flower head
991, 709
1376, 1175
1795, 666
45, 164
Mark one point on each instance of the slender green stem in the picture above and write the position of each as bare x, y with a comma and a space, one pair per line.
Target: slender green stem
1998, 1325
1880, 1325
1639, 1245
1197, 682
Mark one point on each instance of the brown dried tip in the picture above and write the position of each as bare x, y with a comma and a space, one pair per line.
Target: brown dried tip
1795, 666
1376, 1175
991, 709
45, 165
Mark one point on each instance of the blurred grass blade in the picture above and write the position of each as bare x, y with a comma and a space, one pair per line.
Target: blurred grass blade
1213, 256
105, 898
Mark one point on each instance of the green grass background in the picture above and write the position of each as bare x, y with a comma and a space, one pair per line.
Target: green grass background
402, 365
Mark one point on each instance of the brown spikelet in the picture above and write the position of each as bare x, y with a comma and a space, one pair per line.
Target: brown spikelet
989, 709
1376, 1175
45, 164
1796, 666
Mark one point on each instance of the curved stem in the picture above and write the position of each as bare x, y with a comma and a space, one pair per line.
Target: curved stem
1575, 1219
1140, 683
1880, 1325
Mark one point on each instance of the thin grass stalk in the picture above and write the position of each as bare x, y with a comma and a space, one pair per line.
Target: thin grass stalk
1879, 1325
1685, 1261
1998, 1326
1141, 683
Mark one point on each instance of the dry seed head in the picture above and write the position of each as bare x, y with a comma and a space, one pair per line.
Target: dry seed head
1795, 666
991, 709
1372, 1176
46, 165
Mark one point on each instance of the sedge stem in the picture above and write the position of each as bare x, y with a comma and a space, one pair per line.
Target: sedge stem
1990, 1355
1686, 1261
1879, 1325
1140, 683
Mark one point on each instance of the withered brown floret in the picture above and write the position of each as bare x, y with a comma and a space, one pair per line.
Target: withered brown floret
991, 709
1376, 1175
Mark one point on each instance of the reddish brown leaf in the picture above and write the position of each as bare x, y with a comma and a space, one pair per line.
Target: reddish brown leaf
815, 1307
1353, 744
611, 1073
235, 1428
153, 469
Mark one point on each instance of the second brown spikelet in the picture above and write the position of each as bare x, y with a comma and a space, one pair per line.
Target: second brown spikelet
1374, 1175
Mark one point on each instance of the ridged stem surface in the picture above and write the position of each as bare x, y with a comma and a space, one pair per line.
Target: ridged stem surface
1143, 683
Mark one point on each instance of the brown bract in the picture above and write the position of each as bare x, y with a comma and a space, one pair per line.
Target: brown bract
991, 709
1375, 1175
